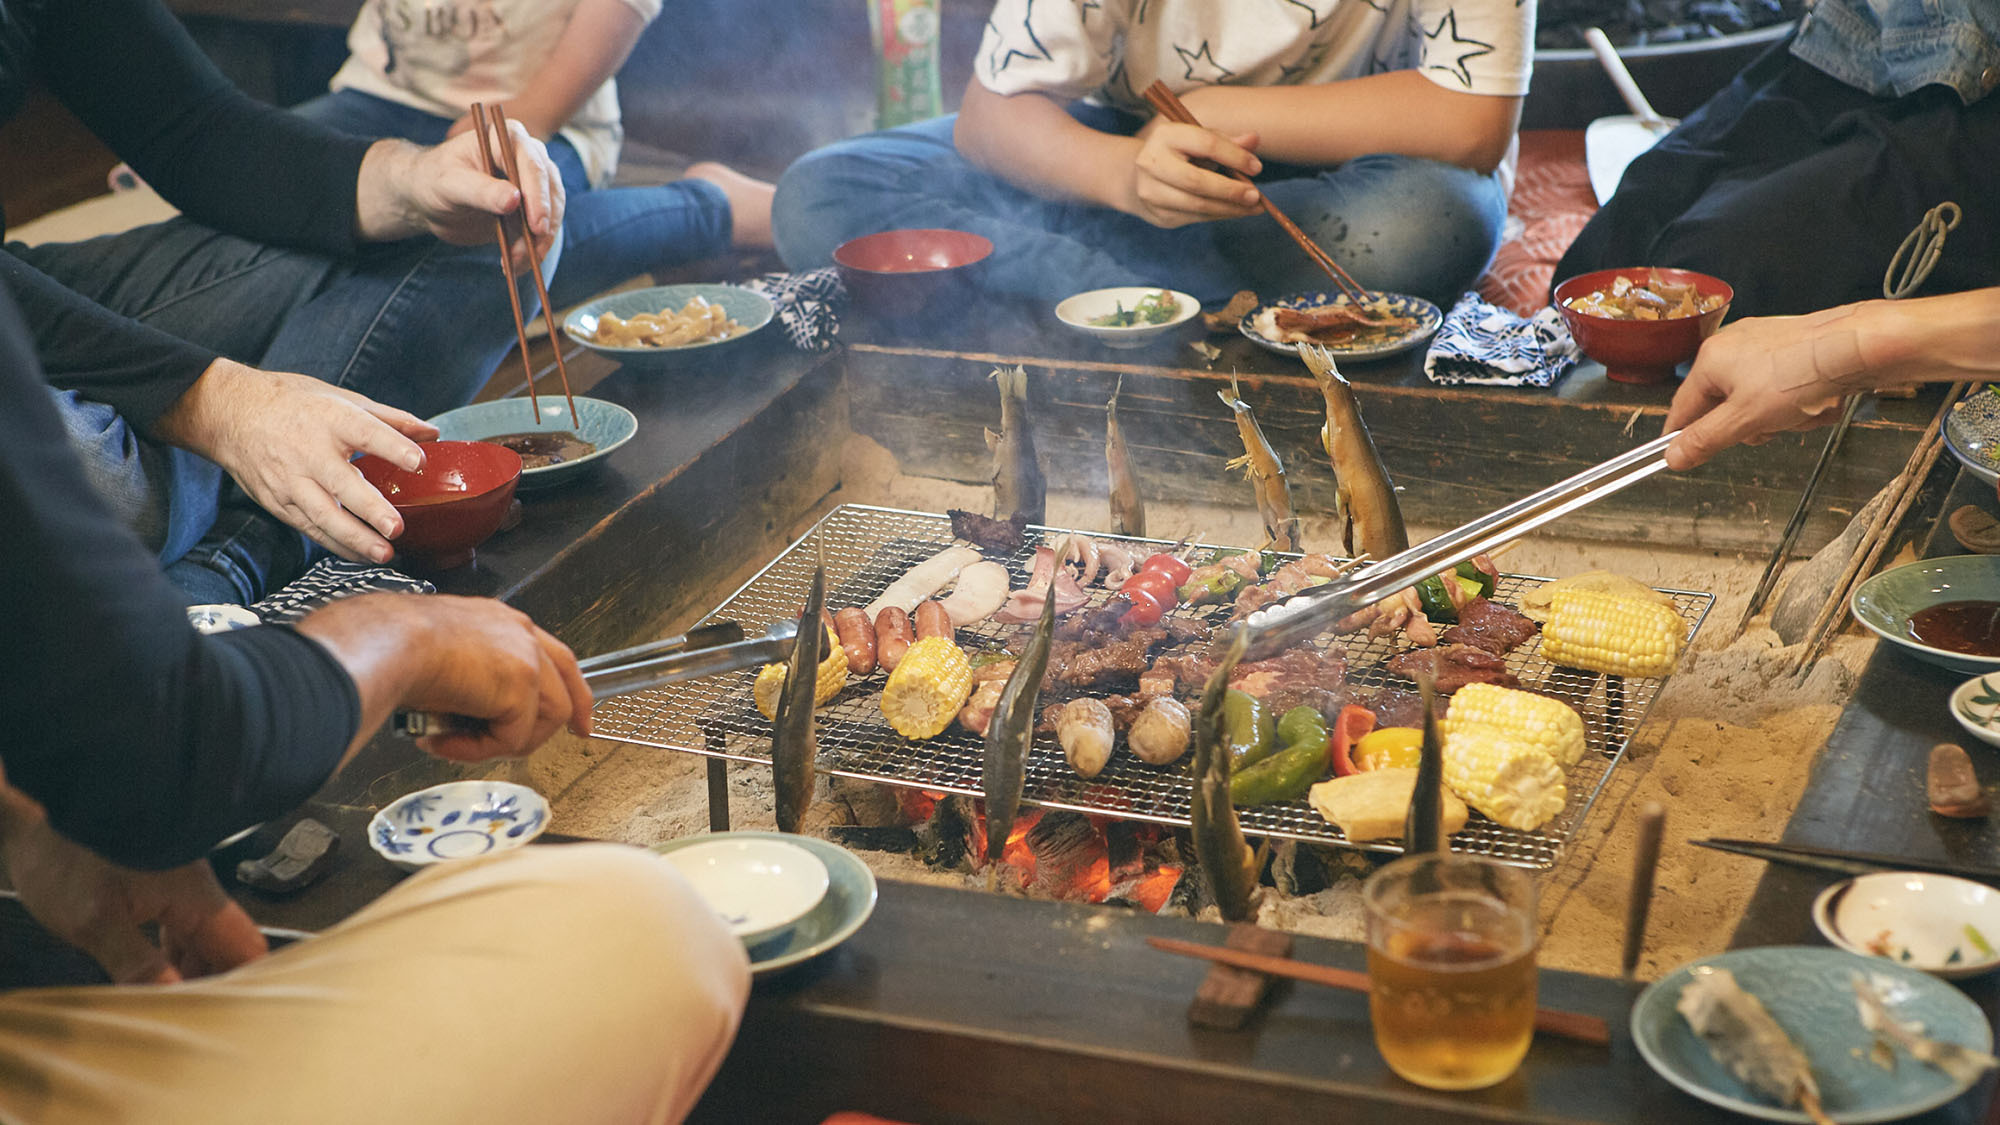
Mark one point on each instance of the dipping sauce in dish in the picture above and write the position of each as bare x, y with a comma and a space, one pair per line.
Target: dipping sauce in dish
1968, 627
542, 448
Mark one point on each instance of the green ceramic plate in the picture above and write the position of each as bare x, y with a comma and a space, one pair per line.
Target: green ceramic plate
1808, 990
751, 310
606, 425
850, 899
1885, 602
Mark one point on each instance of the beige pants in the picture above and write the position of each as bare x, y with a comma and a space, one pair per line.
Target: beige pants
577, 983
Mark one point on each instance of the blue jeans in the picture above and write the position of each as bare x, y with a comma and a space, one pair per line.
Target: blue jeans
1396, 223
416, 324
609, 235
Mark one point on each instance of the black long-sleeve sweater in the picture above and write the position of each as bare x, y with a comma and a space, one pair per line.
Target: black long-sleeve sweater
130, 72
146, 741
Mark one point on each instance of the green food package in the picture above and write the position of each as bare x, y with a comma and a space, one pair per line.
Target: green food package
907, 86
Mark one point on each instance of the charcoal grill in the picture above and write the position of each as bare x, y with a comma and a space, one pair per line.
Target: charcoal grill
867, 548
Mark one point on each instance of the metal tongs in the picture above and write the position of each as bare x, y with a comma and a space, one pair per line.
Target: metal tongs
1309, 613
709, 650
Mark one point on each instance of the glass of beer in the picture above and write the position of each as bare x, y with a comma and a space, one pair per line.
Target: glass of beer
1451, 968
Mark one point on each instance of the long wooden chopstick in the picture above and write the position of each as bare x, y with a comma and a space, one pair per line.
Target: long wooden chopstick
1844, 862
506, 140
507, 260
1167, 105
1567, 1025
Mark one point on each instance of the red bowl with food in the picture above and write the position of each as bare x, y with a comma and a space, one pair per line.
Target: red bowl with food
900, 274
450, 506
1603, 311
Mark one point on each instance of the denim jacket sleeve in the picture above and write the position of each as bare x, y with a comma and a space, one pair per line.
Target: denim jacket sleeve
1891, 48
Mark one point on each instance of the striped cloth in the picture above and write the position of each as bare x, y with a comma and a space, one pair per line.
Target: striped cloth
1490, 346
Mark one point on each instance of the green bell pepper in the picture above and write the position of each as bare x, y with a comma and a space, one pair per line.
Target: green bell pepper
1247, 729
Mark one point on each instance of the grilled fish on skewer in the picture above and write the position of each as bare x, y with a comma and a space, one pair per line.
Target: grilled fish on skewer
1371, 521
1019, 489
1010, 730
1744, 1038
793, 744
1260, 463
1128, 509
1219, 845
1423, 829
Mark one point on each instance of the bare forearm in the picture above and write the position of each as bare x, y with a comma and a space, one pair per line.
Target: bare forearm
380, 648
1401, 112
1952, 338
1033, 143
383, 210
594, 44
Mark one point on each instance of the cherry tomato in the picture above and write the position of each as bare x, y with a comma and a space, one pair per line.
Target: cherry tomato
1158, 584
1146, 609
1167, 564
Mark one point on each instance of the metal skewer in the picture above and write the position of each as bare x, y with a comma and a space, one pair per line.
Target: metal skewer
1305, 615
673, 660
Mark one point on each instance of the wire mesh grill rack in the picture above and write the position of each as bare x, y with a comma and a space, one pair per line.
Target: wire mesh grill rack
867, 548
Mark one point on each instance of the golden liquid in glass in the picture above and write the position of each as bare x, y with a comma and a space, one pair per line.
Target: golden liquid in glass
1453, 1009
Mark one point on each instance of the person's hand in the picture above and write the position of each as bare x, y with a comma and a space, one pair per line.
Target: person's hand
1168, 189
1764, 376
100, 907
461, 125
447, 191
466, 656
287, 439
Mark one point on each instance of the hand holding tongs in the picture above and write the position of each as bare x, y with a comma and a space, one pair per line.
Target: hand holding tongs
709, 650
1305, 615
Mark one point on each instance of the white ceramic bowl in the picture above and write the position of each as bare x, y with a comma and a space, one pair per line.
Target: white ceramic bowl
1914, 919
1080, 310
758, 887
1976, 706
457, 820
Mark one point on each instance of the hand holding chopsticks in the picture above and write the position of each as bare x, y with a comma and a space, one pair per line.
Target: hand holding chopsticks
508, 167
1170, 107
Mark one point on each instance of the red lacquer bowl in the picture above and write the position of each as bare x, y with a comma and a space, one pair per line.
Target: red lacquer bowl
1641, 351
451, 505
898, 274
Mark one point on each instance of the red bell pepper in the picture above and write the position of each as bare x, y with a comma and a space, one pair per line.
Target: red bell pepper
1354, 721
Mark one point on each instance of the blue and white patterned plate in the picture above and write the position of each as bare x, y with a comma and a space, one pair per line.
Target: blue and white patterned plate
750, 309
1367, 344
1972, 433
457, 820
1809, 991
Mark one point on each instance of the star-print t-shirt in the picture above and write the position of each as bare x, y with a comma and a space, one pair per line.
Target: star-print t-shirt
440, 56
1109, 51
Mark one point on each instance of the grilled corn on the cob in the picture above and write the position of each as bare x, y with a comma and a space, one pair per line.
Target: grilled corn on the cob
1607, 633
1549, 725
1510, 781
826, 682
927, 688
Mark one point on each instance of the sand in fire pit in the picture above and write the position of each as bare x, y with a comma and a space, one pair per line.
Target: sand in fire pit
1726, 747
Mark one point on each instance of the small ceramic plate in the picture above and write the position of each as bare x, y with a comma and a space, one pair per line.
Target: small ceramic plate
1972, 433
1976, 706
457, 820
1885, 603
1367, 344
221, 618
1941, 924
849, 900
1809, 991
751, 310
606, 425
756, 886
1078, 312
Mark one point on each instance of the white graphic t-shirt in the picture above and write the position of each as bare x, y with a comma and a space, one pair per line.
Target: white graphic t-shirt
1109, 51
440, 56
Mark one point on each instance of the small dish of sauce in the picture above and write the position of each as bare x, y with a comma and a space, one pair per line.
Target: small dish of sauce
541, 448
1971, 627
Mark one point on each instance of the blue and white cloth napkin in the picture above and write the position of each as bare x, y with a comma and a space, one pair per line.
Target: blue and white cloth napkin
808, 305
330, 580
1490, 346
